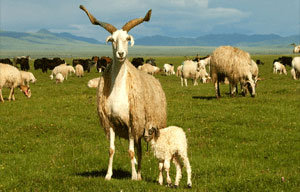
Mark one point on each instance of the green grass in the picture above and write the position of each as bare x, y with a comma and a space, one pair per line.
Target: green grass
53, 141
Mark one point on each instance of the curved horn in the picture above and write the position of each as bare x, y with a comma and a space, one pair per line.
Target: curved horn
110, 28
134, 22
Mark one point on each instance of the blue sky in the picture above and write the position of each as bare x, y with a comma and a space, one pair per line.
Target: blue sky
176, 18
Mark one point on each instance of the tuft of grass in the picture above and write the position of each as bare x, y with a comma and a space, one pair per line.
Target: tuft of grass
54, 142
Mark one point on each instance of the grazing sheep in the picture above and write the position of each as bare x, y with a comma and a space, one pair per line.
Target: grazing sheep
59, 78
235, 64
93, 83
170, 144
27, 77
128, 100
279, 67
150, 69
169, 69
64, 69
79, 70
295, 71
10, 77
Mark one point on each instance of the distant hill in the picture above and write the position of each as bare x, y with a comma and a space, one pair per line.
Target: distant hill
44, 40
220, 39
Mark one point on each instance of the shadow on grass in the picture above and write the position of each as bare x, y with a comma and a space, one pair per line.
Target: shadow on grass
204, 97
117, 174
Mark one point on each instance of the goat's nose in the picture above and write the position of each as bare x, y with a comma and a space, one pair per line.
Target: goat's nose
121, 54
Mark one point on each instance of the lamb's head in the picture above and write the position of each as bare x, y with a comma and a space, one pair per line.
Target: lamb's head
152, 132
249, 85
26, 90
119, 38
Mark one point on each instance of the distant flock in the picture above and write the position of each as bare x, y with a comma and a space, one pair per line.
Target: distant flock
130, 100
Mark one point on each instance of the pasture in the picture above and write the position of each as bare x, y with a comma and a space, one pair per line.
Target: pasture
53, 141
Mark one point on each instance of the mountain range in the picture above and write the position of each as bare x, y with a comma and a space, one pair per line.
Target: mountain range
44, 39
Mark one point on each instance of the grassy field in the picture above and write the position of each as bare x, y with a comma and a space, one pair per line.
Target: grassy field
53, 141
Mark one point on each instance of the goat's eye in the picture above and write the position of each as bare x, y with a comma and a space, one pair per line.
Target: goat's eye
128, 38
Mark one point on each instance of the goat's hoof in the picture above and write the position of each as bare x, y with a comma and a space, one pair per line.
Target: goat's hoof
175, 186
189, 185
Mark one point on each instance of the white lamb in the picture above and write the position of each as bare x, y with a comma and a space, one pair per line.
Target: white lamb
279, 67
27, 77
170, 144
169, 69
10, 77
93, 83
79, 70
59, 78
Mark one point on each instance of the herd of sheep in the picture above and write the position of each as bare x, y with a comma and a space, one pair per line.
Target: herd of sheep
131, 103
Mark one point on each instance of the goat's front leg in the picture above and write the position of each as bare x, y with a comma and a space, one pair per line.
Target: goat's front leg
139, 153
132, 159
111, 153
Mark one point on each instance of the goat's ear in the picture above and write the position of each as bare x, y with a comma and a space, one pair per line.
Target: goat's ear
131, 39
109, 38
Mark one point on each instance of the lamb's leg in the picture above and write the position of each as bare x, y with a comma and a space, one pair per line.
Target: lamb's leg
178, 171
1, 97
181, 81
167, 169
233, 89
132, 158
139, 152
187, 165
160, 177
185, 82
111, 153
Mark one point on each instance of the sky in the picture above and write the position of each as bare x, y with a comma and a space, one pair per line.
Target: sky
174, 18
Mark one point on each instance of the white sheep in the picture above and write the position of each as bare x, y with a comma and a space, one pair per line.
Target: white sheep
59, 78
189, 71
10, 77
179, 71
93, 83
235, 64
169, 69
128, 100
170, 144
279, 67
79, 70
64, 69
150, 69
295, 71
27, 77
296, 48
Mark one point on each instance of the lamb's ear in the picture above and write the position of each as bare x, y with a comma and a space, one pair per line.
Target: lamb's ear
131, 39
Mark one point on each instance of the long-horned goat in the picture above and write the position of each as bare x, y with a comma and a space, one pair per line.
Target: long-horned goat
128, 100
235, 64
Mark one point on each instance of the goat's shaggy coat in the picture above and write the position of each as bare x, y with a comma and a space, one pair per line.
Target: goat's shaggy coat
11, 77
233, 63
